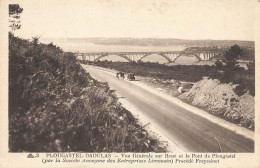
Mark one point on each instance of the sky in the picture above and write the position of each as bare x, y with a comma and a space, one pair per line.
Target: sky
182, 19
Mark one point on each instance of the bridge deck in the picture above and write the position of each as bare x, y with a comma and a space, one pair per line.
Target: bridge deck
171, 56
126, 53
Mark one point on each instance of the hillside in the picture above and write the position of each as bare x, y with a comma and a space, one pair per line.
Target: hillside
55, 106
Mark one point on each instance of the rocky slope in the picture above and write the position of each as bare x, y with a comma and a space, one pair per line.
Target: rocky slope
219, 99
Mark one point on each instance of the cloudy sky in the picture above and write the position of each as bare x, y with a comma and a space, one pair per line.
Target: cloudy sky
184, 19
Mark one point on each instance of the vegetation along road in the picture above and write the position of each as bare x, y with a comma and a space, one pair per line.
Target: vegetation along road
192, 132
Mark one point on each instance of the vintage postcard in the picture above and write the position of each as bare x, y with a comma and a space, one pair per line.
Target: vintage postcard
119, 83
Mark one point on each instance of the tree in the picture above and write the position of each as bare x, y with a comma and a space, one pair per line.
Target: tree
218, 64
14, 16
232, 56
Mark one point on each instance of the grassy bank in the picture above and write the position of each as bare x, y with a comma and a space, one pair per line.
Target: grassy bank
54, 105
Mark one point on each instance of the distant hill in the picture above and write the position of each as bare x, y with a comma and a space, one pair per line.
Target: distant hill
162, 42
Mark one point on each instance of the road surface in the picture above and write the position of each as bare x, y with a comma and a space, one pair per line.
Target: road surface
192, 132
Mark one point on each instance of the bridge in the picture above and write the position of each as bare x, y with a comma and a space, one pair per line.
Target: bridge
170, 56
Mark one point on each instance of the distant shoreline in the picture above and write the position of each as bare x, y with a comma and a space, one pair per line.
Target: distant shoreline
155, 42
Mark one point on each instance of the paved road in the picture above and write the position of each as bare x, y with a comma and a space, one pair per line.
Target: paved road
192, 132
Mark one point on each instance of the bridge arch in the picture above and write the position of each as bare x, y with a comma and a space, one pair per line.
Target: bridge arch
105, 55
182, 53
164, 56
217, 55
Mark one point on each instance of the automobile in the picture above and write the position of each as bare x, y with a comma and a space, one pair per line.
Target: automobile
120, 74
131, 76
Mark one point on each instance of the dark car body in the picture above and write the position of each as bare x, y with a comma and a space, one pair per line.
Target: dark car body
131, 76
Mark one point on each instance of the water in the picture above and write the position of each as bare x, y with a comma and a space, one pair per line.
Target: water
91, 47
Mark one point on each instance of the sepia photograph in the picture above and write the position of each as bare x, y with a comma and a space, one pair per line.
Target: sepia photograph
102, 77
